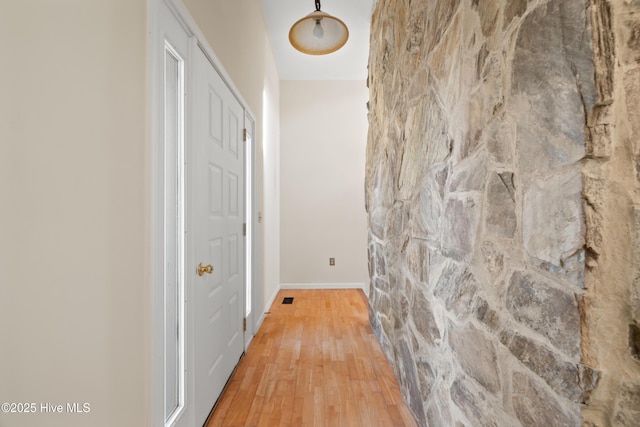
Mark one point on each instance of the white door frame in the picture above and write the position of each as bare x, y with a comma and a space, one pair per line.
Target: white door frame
156, 177
251, 215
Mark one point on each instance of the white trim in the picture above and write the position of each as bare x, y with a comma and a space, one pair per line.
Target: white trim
181, 221
252, 249
267, 308
355, 285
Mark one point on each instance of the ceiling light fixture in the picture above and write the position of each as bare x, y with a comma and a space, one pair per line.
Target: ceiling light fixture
318, 33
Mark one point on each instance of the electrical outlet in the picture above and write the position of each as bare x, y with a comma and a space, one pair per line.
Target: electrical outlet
332, 261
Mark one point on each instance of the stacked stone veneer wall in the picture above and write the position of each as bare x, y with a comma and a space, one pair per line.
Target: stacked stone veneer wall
492, 136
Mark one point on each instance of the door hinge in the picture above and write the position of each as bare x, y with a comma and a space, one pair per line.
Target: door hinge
244, 324
244, 135
244, 229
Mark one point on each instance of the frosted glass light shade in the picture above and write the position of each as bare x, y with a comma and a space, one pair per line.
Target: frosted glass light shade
318, 33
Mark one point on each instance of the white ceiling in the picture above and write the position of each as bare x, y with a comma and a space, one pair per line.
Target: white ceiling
348, 63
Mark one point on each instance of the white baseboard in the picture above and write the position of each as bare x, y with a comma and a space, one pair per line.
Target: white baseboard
267, 308
356, 285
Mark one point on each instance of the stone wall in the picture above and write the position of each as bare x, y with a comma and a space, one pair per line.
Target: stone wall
491, 151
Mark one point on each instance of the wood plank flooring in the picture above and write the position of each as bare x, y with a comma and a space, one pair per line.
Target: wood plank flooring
315, 362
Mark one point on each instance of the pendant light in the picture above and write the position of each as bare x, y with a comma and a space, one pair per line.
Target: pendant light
318, 33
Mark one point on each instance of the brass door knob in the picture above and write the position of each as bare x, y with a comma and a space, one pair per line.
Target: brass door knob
204, 269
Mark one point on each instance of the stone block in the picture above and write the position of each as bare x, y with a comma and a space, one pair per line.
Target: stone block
379, 261
499, 138
439, 17
445, 58
427, 143
426, 376
500, 202
381, 284
487, 316
374, 321
492, 88
477, 122
408, 379
415, 37
422, 315
552, 224
547, 310
380, 176
460, 224
383, 303
513, 9
419, 85
370, 261
414, 154
396, 219
588, 379
561, 375
493, 260
469, 175
456, 288
481, 59
437, 265
553, 85
535, 407
600, 141
439, 412
426, 214
393, 256
417, 259
572, 269
477, 356
387, 325
488, 11
594, 195
400, 306
472, 404
378, 221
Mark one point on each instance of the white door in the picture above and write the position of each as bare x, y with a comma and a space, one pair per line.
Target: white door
218, 203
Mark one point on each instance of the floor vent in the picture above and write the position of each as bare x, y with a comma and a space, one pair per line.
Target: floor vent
287, 300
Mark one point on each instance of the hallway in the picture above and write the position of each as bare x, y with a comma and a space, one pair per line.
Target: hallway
315, 362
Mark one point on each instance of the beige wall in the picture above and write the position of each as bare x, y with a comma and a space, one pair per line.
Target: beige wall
324, 132
611, 328
74, 285
270, 211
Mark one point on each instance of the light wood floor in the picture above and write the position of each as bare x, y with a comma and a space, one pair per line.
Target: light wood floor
314, 363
